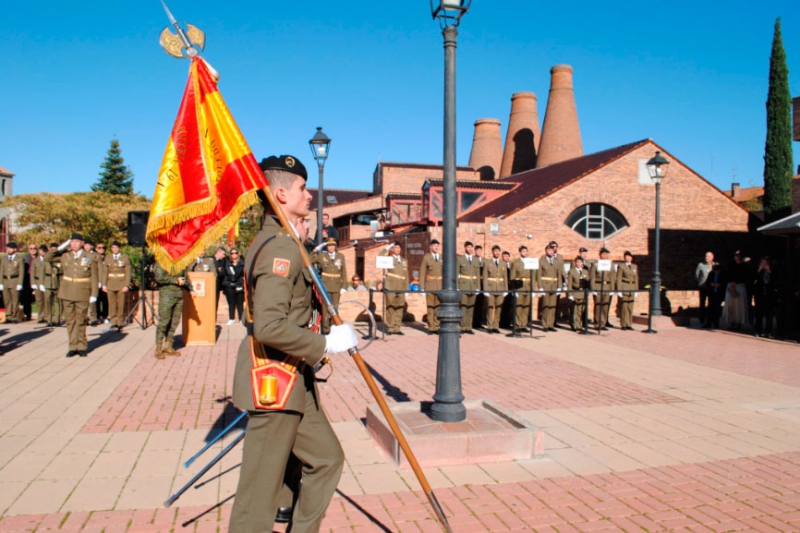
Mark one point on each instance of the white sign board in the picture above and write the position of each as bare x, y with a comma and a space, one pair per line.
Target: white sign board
531, 263
384, 261
567, 266
604, 265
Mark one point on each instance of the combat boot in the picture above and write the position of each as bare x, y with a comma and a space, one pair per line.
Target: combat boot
160, 350
168, 349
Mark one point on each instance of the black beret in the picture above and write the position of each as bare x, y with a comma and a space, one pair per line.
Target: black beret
605, 251
583, 249
115, 243
88, 241
44, 248
53, 245
434, 241
468, 243
284, 162
627, 253
11, 245
77, 236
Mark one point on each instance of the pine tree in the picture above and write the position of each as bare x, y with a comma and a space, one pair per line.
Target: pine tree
778, 149
116, 177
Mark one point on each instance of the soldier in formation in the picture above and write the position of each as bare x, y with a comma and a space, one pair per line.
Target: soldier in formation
333, 271
116, 283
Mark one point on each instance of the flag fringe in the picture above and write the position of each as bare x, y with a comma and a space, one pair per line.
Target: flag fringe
208, 238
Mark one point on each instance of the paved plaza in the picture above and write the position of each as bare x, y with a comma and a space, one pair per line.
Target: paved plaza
686, 430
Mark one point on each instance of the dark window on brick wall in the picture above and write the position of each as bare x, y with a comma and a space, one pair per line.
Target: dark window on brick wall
596, 221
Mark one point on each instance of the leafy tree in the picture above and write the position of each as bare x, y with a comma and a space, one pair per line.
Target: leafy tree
46, 217
778, 149
116, 177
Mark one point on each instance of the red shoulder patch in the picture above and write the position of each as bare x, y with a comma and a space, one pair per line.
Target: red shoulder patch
281, 267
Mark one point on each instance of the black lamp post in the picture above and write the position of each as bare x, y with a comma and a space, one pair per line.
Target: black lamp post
657, 168
448, 403
320, 145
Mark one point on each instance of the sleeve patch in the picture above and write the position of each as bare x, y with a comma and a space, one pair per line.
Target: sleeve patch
281, 267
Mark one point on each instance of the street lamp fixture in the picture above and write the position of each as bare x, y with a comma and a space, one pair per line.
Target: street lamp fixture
657, 168
448, 401
320, 146
449, 12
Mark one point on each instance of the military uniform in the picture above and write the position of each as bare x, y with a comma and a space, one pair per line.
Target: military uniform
469, 283
576, 283
99, 265
551, 278
396, 280
521, 279
430, 279
495, 283
116, 277
281, 303
36, 274
51, 276
602, 303
13, 270
78, 285
333, 271
170, 307
627, 280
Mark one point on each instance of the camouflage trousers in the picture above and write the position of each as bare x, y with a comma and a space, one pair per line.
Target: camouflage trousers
170, 307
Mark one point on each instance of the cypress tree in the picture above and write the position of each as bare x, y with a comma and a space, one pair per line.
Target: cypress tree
116, 177
778, 149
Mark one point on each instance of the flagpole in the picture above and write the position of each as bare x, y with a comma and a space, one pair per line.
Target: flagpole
362, 366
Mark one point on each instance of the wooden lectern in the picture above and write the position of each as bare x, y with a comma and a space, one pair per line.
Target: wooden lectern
199, 310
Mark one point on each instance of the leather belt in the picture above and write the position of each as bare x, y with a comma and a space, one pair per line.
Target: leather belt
395, 275
110, 275
77, 280
550, 279
627, 281
331, 275
433, 277
9, 277
495, 279
461, 276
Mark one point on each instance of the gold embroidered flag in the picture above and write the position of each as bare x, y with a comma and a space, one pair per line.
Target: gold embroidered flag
208, 175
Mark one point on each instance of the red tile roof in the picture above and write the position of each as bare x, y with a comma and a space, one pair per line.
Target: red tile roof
7, 172
343, 196
532, 185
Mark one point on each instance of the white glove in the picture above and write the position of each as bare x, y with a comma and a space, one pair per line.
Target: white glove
486, 294
1, 287
319, 247
389, 246
41, 288
64, 245
505, 294
594, 293
99, 284
635, 294
92, 299
340, 339
619, 294
342, 291
19, 287
570, 298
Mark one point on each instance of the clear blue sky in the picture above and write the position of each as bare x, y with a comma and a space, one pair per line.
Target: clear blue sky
691, 75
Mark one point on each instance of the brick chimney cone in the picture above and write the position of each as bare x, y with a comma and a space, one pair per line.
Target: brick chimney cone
561, 133
522, 137
487, 148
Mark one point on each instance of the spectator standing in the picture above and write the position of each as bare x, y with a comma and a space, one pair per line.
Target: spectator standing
233, 283
765, 290
715, 286
701, 272
736, 293
220, 257
328, 231
36, 273
102, 297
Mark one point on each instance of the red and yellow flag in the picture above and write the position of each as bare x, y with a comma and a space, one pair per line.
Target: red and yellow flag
208, 176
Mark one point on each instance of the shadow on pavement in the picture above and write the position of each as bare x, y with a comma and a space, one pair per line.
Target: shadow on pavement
363, 511
390, 390
20, 339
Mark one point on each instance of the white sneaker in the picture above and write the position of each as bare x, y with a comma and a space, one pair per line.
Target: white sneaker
231, 322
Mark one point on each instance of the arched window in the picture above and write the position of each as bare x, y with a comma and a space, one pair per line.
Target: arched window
596, 221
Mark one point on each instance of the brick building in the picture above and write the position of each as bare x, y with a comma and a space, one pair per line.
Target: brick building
6, 191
